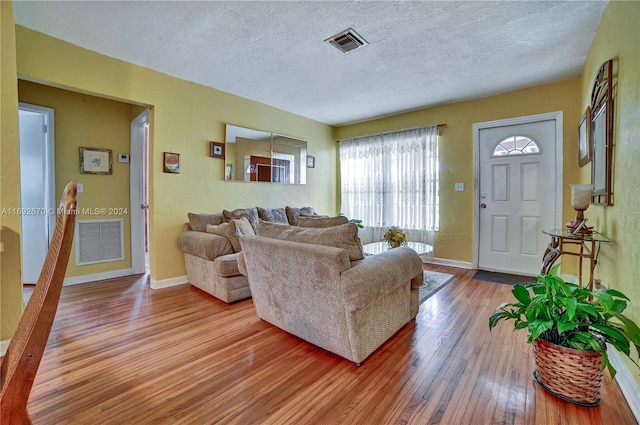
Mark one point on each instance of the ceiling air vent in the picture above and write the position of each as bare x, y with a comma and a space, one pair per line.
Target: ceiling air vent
347, 41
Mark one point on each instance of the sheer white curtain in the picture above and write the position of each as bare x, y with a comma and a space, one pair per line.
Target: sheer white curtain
391, 179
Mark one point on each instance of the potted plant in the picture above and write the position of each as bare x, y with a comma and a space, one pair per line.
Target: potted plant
570, 327
394, 237
355, 221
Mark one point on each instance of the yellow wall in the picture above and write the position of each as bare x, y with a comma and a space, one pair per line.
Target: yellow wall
185, 117
618, 38
82, 120
10, 260
454, 241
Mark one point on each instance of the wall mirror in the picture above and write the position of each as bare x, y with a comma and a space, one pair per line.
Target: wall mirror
602, 135
261, 156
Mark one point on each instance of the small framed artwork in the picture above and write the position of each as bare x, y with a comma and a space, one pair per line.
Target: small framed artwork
311, 161
171, 163
216, 150
95, 161
584, 138
228, 172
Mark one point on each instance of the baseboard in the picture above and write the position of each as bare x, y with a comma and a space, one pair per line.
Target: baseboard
626, 382
96, 276
165, 283
3, 347
446, 262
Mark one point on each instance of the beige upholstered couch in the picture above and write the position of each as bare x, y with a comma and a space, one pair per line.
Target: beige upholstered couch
210, 246
317, 285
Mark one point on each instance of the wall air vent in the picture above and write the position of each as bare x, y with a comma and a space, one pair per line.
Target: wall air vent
347, 41
99, 241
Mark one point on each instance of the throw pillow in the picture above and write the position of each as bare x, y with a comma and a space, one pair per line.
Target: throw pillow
228, 230
250, 213
198, 222
232, 230
293, 213
343, 236
274, 215
243, 227
318, 221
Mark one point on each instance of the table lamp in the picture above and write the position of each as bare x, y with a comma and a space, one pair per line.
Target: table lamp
580, 200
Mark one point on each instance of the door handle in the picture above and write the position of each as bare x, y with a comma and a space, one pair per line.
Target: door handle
483, 205
144, 206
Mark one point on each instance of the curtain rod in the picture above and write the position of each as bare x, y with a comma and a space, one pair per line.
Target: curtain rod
444, 124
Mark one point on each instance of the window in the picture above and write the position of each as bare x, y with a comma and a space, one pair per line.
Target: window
391, 179
516, 145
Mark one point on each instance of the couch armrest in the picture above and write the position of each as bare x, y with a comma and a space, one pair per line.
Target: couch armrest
204, 245
379, 274
242, 266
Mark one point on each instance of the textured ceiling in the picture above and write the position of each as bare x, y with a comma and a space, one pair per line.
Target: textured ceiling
420, 53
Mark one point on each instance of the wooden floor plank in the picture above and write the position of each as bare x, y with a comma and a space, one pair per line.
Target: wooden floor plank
120, 352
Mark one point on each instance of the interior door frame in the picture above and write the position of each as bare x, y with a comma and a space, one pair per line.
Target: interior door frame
558, 118
136, 180
51, 199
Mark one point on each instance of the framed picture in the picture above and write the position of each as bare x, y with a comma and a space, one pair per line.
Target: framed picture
584, 138
171, 163
95, 161
216, 150
311, 161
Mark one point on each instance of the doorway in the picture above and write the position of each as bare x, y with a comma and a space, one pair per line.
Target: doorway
518, 192
139, 193
37, 187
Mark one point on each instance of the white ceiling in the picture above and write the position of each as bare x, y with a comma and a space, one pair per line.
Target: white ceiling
420, 53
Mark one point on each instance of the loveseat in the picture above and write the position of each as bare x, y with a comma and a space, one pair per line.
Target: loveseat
318, 285
210, 245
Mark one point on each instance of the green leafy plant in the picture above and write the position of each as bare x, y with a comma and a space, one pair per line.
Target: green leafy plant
571, 316
355, 221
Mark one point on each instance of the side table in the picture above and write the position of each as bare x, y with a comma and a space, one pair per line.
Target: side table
379, 247
588, 248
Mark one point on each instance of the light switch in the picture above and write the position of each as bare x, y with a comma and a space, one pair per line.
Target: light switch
80, 187
459, 187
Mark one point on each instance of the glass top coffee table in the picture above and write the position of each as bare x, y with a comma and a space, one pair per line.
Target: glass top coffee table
379, 247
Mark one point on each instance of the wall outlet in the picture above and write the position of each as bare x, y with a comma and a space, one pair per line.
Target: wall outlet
459, 187
123, 157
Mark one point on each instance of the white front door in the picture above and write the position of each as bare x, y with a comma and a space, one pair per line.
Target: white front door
517, 194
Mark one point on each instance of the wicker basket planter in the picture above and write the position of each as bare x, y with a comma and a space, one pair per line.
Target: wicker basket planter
569, 374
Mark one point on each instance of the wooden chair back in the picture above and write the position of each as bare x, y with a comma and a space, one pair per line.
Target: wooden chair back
21, 362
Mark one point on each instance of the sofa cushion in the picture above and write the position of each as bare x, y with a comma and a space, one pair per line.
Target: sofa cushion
343, 236
243, 227
293, 213
198, 222
273, 215
250, 213
230, 231
227, 265
226, 230
319, 221
204, 245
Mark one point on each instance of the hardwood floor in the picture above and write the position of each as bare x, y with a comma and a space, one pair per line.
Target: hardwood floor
121, 353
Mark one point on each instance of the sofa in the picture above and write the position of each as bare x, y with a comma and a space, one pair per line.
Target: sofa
317, 284
210, 245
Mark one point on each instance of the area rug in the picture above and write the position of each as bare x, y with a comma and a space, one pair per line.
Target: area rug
433, 282
506, 278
